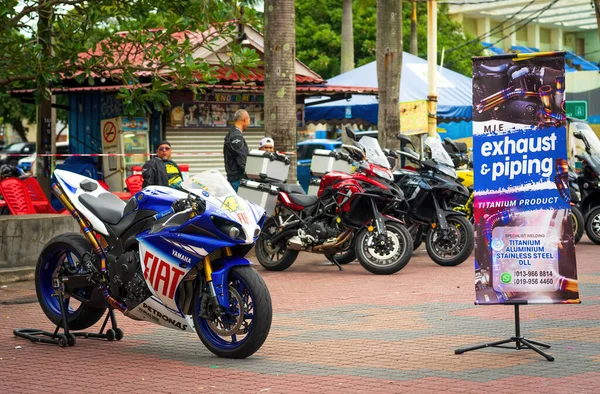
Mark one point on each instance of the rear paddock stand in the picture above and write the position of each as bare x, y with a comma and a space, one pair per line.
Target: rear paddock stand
67, 338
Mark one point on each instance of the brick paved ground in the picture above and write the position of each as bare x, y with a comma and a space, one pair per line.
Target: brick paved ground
333, 332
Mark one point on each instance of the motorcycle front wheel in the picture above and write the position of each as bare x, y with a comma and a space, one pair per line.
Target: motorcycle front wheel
578, 224
452, 246
384, 256
242, 330
592, 225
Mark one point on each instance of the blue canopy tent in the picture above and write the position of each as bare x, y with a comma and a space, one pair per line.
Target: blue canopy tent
454, 96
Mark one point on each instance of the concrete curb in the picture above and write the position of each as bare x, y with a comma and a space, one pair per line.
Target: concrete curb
16, 274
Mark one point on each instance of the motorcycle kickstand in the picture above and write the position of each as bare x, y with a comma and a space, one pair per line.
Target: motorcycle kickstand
331, 258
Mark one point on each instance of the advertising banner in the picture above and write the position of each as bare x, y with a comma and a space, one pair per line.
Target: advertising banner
524, 251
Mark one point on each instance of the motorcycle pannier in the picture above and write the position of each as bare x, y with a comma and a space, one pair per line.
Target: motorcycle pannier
262, 194
261, 165
313, 186
324, 161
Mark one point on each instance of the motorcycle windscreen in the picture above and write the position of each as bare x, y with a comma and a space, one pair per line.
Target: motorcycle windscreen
217, 191
440, 156
373, 152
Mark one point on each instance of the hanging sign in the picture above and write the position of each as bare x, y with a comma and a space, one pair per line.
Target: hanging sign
524, 251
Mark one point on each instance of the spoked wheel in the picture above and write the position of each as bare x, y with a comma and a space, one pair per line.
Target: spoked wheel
452, 246
578, 224
384, 255
60, 256
274, 257
592, 225
243, 329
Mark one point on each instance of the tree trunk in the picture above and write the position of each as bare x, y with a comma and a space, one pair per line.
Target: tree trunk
44, 111
389, 67
280, 77
414, 48
347, 37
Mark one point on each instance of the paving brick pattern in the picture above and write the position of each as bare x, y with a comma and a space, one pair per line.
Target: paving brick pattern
333, 332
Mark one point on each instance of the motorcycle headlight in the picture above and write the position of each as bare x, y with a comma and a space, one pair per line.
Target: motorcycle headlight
234, 232
227, 227
385, 174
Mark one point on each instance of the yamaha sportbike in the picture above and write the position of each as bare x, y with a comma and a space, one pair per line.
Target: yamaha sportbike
347, 218
168, 257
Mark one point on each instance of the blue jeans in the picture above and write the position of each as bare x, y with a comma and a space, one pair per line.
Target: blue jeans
235, 185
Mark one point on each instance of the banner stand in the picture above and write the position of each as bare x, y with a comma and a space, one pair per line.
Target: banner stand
520, 342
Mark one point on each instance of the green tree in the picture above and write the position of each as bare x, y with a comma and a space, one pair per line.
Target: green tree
319, 26
153, 60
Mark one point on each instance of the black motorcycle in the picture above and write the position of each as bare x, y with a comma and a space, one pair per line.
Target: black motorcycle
430, 192
588, 180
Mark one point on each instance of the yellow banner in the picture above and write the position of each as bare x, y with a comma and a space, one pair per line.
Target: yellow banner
413, 117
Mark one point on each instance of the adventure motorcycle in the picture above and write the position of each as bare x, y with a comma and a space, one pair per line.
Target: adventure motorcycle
349, 214
169, 257
589, 179
429, 192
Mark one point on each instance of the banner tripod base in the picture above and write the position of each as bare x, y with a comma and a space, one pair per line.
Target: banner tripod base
520, 342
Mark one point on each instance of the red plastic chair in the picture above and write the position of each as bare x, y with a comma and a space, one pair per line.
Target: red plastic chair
16, 197
134, 183
38, 197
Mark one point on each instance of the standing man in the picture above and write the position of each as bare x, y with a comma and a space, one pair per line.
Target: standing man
161, 170
235, 149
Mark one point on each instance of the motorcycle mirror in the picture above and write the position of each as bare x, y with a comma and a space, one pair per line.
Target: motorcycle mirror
577, 134
350, 133
404, 138
451, 143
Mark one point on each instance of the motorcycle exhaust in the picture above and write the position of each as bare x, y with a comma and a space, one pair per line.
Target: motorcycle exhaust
343, 237
295, 243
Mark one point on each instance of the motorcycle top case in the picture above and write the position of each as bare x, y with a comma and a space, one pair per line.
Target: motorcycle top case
324, 161
313, 186
261, 165
262, 194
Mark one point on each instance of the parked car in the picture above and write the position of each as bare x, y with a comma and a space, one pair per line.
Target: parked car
62, 148
13, 152
305, 154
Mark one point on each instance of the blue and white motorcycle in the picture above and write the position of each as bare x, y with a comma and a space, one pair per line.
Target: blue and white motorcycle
169, 257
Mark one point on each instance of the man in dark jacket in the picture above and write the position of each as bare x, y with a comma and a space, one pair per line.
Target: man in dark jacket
161, 170
235, 149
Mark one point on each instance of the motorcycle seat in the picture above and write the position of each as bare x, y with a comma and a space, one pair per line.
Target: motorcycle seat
290, 188
303, 199
106, 207
495, 69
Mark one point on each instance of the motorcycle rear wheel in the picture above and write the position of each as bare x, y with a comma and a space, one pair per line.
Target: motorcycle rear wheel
250, 303
67, 248
462, 234
384, 259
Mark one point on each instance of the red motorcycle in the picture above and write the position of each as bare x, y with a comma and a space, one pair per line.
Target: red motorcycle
347, 218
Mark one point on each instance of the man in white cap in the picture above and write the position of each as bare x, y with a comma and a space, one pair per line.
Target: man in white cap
266, 144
